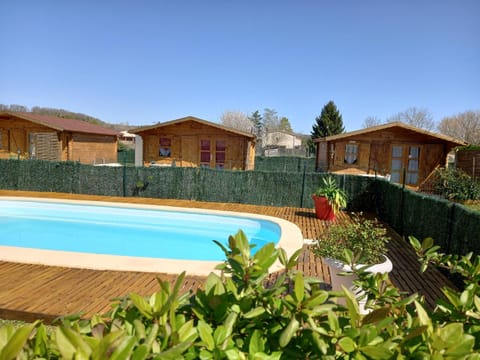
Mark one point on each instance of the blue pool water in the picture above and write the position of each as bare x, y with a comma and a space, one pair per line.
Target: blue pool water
126, 231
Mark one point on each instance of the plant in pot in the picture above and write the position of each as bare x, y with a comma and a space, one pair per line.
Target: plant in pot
359, 245
329, 199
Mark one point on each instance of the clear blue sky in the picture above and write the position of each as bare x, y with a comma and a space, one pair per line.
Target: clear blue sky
147, 61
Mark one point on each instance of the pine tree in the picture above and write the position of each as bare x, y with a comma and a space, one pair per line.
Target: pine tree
329, 122
257, 121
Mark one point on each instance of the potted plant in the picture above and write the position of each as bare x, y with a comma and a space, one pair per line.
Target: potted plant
349, 247
329, 199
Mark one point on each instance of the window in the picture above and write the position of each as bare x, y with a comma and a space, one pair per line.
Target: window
205, 153
220, 147
165, 147
412, 168
397, 163
351, 153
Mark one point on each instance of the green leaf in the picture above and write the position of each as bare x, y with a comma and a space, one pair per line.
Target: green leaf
423, 317
71, 343
415, 243
352, 306
289, 332
142, 305
427, 243
141, 352
16, 342
187, 332
376, 352
205, 332
347, 344
299, 289
123, 350
231, 320
139, 329
175, 352
220, 335
461, 348
254, 312
256, 344
376, 315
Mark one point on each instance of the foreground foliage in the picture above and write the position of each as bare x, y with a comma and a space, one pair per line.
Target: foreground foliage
237, 316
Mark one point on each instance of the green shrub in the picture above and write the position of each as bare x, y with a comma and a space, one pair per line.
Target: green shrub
456, 185
365, 239
237, 316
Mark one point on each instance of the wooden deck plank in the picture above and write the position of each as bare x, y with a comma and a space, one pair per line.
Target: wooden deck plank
29, 291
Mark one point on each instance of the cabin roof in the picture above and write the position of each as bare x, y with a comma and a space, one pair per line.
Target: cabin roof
195, 119
61, 124
389, 126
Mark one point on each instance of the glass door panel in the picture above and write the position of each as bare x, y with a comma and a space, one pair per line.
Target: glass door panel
205, 153
397, 163
412, 168
220, 149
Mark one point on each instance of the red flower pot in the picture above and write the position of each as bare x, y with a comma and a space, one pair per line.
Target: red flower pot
323, 210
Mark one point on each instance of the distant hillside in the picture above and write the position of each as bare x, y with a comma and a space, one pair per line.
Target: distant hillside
63, 114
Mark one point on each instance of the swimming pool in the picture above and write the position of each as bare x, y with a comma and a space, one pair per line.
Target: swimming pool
129, 237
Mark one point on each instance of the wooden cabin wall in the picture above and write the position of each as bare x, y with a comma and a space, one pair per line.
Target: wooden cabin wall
433, 155
469, 162
380, 158
185, 140
363, 159
15, 136
93, 149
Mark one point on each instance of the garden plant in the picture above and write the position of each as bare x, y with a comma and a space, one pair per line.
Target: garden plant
240, 315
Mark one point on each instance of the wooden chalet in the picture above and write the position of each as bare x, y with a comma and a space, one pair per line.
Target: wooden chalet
403, 153
34, 136
191, 141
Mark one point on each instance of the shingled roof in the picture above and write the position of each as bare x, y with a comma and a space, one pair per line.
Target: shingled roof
61, 124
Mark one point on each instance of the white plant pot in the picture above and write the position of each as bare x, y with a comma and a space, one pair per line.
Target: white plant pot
337, 267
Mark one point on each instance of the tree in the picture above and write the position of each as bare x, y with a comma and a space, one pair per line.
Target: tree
371, 121
464, 126
270, 120
237, 120
256, 120
420, 118
285, 125
329, 122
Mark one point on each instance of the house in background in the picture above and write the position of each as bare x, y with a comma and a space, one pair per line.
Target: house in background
43, 137
191, 141
126, 138
403, 153
275, 141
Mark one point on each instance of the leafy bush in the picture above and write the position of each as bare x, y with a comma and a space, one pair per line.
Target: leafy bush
237, 316
456, 185
365, 239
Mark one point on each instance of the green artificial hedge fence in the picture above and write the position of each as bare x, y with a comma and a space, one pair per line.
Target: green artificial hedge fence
284, 163
453, 226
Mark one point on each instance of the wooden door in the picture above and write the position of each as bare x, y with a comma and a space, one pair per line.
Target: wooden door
206, 153
189, 152
405, 159
220, 153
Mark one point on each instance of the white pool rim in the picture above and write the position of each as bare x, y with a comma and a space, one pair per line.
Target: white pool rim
291, 239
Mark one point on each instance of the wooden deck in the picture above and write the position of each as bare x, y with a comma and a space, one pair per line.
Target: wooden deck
29, 292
